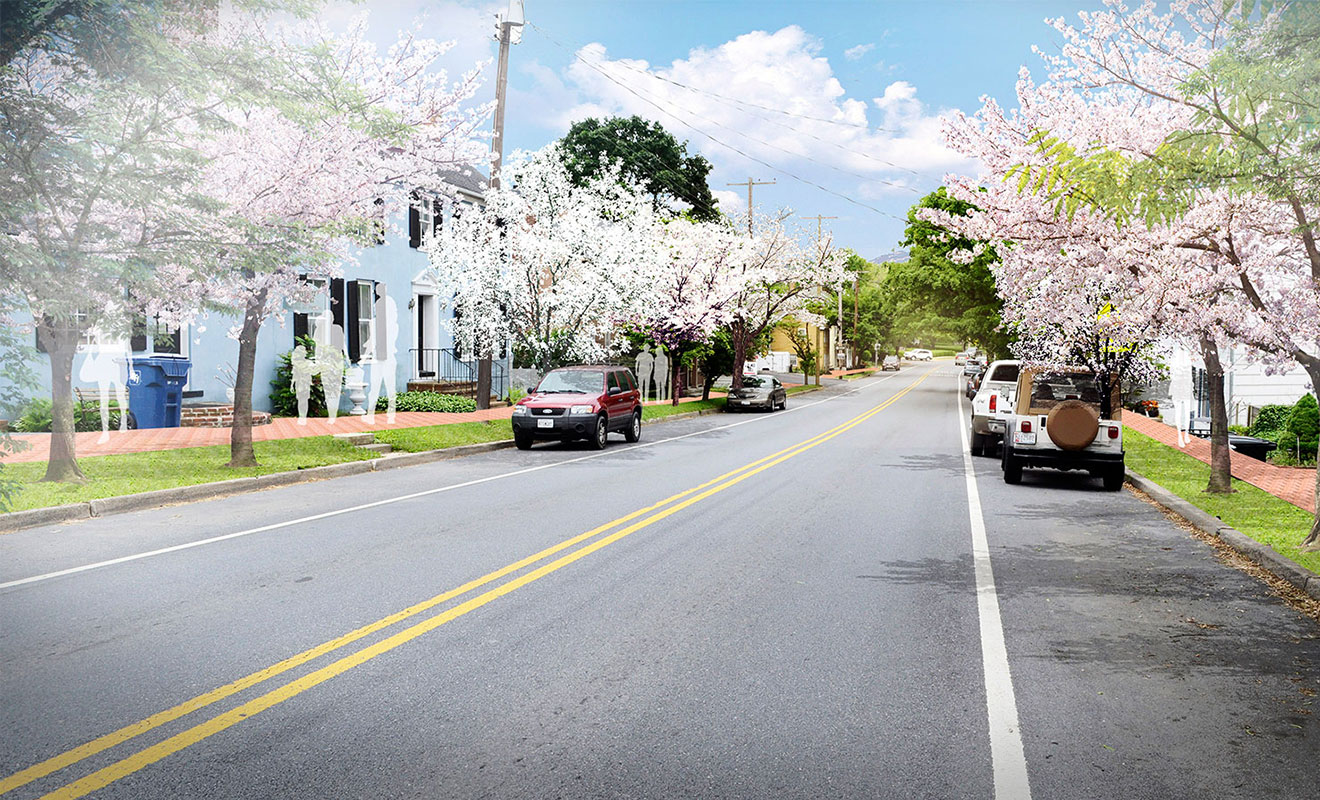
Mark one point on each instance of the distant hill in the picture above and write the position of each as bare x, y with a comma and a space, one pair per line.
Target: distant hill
894, 255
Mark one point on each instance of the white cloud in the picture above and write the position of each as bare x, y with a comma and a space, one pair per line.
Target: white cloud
732, 92
856, 52
730, 202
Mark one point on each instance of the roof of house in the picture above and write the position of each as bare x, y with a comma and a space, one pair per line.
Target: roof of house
467, 179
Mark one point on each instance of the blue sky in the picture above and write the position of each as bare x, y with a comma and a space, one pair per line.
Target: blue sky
863, 84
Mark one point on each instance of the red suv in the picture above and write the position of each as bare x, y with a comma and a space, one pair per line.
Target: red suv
580, 403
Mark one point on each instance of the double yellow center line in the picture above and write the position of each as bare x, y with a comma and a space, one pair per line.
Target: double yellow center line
621, 527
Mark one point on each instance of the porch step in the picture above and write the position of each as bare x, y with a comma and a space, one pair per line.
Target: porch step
377, 447
357, 439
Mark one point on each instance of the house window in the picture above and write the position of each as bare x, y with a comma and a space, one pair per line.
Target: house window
366, 317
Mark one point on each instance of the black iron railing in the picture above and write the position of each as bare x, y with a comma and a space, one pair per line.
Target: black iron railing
443, 366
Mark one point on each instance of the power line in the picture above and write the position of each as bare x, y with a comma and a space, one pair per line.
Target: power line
745, 135
744, 154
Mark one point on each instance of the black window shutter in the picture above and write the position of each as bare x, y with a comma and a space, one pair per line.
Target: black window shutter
414, 222
458, 348
382, 329
337, 302
351, 331
138, 338
437, 216
41, 346
300, 327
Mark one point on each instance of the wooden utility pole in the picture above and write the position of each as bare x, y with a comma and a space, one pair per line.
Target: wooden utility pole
749, 183
506, 34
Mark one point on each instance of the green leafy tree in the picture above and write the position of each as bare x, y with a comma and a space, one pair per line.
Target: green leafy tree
803, 347
935, 294
1302, 433
650, 156
717, 357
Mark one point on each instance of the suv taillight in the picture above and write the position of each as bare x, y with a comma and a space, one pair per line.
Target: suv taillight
1113, 432
1026, 426
994, 402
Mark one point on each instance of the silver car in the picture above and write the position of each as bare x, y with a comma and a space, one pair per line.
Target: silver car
758, 391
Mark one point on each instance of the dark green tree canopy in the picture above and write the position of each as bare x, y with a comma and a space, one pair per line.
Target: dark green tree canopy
958, 298
650, 155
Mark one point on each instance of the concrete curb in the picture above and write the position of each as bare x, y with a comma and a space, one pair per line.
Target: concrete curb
1266, 556
53, 515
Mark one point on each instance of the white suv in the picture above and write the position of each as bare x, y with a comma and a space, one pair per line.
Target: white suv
1062, 420
992, 404
919, 355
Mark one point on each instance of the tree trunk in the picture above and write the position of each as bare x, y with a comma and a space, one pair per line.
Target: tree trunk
706, 384
738, 332
1312, 541
1221, 473
61, 345
240, 435
483, 382
676, 375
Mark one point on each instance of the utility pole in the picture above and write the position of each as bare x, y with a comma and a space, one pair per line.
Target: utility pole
509, 31
749, 183
820, 233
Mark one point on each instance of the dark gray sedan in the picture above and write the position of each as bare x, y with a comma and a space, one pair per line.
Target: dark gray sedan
758, 391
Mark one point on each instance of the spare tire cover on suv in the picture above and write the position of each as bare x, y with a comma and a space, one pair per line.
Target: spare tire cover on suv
1072, 425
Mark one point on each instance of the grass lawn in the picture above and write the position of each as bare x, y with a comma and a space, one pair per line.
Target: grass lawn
1258, 514
437, 437
111, 476
800, 389
857, 375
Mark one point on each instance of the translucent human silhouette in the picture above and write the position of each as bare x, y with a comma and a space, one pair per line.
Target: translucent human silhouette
383, 343
329, 361
104, 367
1182, 417
661, 375
645, 363
304, 369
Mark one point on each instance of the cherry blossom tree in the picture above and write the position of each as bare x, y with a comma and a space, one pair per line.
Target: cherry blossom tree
101, 173
340, 153
1236, 178
781, 277
546, 263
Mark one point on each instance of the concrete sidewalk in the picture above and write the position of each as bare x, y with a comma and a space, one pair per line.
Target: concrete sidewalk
154, 439
1295, 485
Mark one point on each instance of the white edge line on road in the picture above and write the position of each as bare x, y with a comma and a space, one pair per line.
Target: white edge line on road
389, 500
1007, 757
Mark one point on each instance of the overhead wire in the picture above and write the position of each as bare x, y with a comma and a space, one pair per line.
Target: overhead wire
738, 150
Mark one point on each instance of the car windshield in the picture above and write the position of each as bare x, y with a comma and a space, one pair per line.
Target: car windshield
583, 381
1050, 389
753, 382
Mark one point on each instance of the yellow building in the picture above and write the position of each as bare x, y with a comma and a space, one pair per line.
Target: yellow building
818, 339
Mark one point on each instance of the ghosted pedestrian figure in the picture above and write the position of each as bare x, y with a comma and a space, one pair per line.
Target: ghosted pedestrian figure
645, 363
304, 369
329, 363
382, 343
661, 375
104, 367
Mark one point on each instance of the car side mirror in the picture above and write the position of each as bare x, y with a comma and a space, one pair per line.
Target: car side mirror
616, 390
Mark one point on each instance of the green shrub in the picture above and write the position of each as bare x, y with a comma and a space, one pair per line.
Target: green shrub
37, 417
1302, 433
1241, 430
429, 401
283, 400
1270, 421
515, 394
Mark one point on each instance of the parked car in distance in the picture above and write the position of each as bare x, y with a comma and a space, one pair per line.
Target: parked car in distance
1063, 419
960, 358
973, 381
992, 402
758, 391
973, 365
585, 402
890, 362
918, 355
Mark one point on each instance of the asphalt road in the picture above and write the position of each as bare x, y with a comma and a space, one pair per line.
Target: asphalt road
776, 605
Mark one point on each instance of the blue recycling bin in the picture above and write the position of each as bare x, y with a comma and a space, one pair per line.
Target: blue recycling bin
155, 390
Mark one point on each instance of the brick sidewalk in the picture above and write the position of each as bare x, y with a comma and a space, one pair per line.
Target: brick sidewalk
153, 439
1297, 486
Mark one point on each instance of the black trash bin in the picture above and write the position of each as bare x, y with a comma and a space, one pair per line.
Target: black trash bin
155, 390
1251, 447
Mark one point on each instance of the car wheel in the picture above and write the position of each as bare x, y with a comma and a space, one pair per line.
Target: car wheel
1113, 479
602, 436
783, 404
978, 444
1012, 467
522, 441
634, 432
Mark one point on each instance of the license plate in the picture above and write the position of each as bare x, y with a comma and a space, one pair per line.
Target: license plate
1024, 438
545, 423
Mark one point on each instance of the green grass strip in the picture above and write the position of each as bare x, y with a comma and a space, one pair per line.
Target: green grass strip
130, 473
1254, 512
